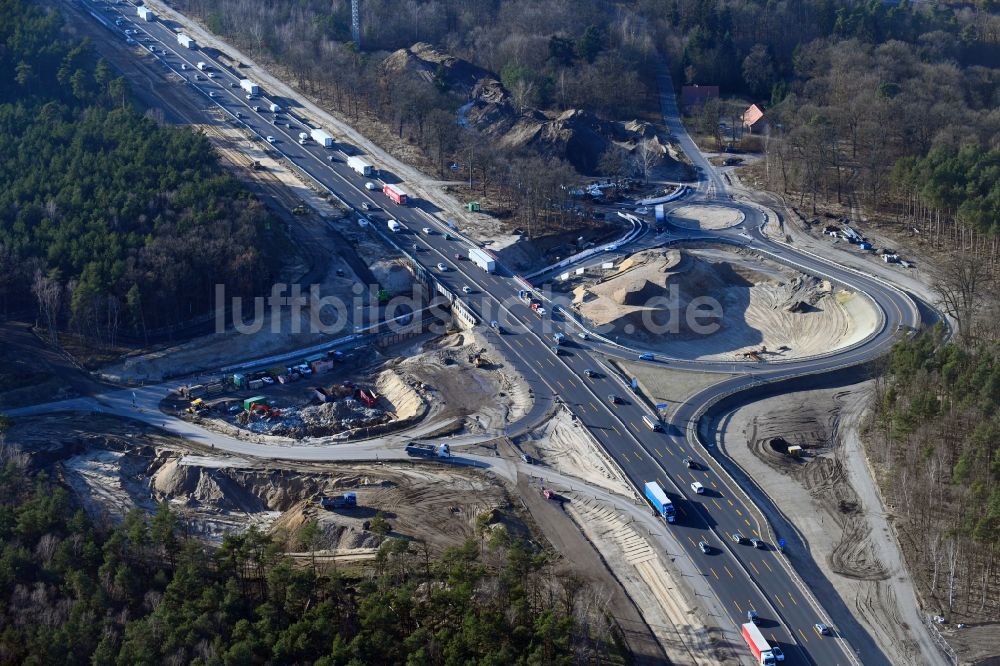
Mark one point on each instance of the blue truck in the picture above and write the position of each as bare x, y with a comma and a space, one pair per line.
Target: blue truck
659, 499
345, 501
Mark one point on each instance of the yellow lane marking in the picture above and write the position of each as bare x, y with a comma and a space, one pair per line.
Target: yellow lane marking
713, 573
692, 541
615, 428
728, 571
717, 505
560, 385
730, 502
792, 599
739, 513
747, 522
768, 566
670, 452
625, 456
737, 604
658, 452
803, 635
778, 599
755, 570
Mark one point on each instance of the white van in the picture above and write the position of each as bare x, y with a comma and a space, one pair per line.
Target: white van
698, 488
651, 423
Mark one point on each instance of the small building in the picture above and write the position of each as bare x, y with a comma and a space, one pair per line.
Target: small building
694, 96
754, 121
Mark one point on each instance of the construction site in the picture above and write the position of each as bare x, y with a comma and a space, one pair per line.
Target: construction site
718, 303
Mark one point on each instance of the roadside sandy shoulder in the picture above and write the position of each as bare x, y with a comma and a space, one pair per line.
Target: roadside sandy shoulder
835, 505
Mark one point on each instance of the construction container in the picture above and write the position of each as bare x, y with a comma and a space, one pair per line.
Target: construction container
321, 366
795, 451
256, 400
239, 381
255, 384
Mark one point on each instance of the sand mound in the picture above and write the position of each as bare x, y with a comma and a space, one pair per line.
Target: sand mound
755, 305
405, 401
705, 217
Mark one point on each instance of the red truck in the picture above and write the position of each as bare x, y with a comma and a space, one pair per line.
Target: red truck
758, 645
397, 195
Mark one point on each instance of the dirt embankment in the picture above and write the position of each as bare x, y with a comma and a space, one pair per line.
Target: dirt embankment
721, 304
574, 134
113, 465
828, 494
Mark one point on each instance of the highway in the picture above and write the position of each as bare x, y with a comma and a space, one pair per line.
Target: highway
743, 578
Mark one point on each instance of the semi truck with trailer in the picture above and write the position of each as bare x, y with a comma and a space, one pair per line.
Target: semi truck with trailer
396, 194
659, 499
758, 646
186, 41
482, 259
322, 138
249, 86
427, 450
359, 166
345, 501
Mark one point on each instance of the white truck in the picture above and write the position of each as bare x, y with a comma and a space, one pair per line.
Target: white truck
249, 86
360, 166
185, 41
482, 259
274, 108
322, 138
762, 653
394, 226
146, 14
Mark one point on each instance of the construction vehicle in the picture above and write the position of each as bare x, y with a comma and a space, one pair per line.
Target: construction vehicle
368, 396
197, 406
427, 450
345, 501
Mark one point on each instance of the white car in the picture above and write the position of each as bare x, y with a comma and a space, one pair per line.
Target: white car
184, 66
443, 268
211, 94
302, 142
211, 75
466, 290
270, 139
371, 186
698, 488
427, 230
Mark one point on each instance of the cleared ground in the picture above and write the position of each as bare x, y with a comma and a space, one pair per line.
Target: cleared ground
705, 217
829, 496
721, 304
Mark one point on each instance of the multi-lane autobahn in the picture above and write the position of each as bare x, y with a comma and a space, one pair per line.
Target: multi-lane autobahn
742, 577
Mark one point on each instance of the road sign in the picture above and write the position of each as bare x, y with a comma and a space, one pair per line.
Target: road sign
662, 405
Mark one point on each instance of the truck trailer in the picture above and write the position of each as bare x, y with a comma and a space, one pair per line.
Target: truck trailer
659, 499
146, 14
249, 86
345, 501
186, 41
482, 259
758, 646
394, 192
428, 450
360, 166
322, 138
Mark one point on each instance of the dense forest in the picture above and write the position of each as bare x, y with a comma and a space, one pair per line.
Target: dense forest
109, 223
936, 442
143, 593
